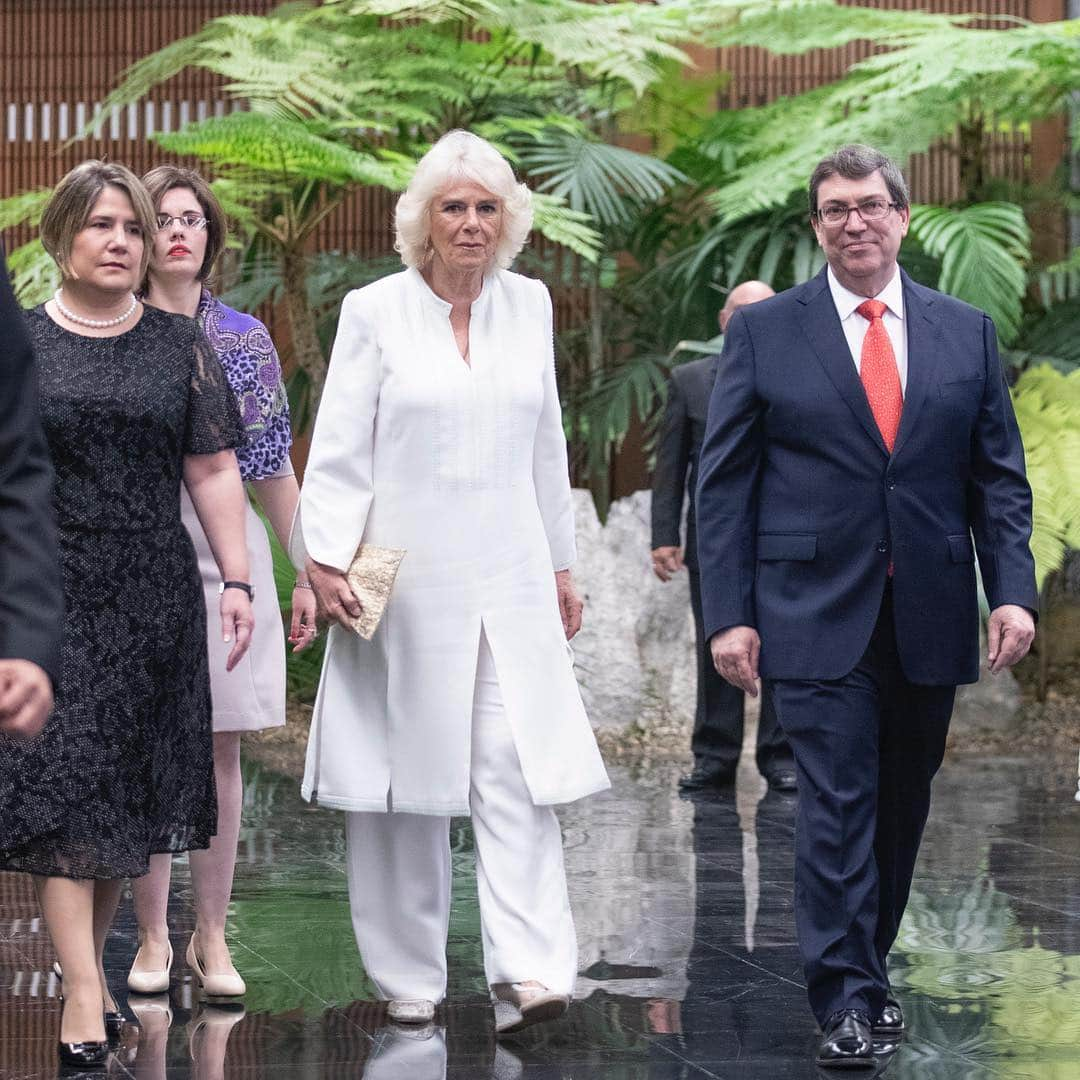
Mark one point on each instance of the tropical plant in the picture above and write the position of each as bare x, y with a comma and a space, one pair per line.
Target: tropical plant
1047, 406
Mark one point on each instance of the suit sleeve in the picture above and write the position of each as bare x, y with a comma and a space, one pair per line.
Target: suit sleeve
31, 597
729, 472
339, 479
672, 461
551, 469
999, 497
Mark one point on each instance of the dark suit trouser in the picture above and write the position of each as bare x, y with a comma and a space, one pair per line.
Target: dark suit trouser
866, 749
718, 720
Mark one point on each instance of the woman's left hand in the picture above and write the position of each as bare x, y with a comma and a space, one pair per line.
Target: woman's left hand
303, 629
237, 624
570, 604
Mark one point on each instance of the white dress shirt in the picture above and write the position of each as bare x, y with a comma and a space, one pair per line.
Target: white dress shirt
855, 325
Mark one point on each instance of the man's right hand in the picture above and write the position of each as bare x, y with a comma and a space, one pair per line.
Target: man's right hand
735, 654
26, 698
666, 561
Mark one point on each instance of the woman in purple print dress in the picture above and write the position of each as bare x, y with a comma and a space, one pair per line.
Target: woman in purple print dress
190, 236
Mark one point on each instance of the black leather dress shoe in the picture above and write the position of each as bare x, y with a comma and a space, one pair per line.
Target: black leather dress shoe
783, 779
83, 1055
846, 1042
891, 1020
702, 779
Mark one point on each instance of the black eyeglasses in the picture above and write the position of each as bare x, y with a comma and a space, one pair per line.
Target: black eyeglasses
868, 210
188, 221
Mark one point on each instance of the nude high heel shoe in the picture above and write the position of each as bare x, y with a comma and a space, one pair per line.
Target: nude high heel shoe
215, 984
143, 981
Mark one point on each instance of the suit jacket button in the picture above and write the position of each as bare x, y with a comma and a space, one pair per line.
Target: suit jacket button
883, 546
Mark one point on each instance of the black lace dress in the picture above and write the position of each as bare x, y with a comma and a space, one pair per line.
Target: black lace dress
124, 767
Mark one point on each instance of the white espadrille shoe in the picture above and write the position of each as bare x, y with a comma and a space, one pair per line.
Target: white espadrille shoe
411, 1010
520, 1005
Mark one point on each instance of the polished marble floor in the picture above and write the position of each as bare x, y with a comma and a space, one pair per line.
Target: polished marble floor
688, 962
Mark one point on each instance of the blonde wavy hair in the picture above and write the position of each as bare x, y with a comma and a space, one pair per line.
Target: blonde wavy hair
461, 156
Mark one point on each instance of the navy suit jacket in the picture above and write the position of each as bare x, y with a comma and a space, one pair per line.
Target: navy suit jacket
801, 508
31, 601
678, 452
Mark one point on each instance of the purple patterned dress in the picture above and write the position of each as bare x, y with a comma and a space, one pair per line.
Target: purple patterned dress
252, 695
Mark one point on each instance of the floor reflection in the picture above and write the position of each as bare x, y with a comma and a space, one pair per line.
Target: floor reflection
689, 966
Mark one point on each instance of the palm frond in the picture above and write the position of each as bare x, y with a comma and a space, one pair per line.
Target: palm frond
595, 177
984, 251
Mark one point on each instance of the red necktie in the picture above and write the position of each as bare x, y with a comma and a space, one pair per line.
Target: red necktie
880, 379
878, 373
877, 370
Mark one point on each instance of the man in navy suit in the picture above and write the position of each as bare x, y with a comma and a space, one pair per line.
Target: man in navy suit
860, 437
718, 719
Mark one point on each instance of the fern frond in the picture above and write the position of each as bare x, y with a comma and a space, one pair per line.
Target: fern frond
562, 225
287, 150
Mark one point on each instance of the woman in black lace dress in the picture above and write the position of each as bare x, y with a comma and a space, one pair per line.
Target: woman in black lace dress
134, 403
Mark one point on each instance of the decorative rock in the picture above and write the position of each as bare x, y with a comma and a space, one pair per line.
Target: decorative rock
634, 657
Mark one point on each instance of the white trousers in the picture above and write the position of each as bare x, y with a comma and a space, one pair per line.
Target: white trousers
399, 875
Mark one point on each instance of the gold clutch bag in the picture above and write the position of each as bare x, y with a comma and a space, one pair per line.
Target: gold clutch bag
371, 576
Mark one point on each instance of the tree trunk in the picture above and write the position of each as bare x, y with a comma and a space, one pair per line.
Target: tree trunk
971, 149
307, 352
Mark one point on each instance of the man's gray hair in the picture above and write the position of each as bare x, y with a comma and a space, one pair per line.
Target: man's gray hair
855, 162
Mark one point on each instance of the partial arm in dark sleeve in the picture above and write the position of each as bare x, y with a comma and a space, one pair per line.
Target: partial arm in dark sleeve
728, 476
31, 599
999, 497
669, 477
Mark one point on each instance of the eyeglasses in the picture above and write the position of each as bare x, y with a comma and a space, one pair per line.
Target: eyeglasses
868, 210
188, 221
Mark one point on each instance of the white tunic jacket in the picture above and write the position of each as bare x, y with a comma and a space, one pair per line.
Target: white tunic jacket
465, 468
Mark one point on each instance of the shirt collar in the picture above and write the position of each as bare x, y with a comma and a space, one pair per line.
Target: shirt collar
892, 296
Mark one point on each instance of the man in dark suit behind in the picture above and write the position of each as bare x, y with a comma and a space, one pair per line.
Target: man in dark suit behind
31, 602
861, 448
718, 719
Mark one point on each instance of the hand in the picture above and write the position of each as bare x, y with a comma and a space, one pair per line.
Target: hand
570, 604
735, 653
26, 698
1009, 636
302, 630
237, 624
666, 561
336, 600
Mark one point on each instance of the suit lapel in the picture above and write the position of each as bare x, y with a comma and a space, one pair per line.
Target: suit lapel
923, 349
821, 325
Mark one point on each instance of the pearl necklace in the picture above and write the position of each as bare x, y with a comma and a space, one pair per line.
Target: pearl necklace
95, 324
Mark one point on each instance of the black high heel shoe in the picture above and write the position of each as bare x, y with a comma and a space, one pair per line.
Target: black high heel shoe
83, 1055
114, 1019
114, 1027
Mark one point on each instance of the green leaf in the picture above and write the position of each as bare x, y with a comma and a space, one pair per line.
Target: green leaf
571, 228
288, 150
984, 251
595, 177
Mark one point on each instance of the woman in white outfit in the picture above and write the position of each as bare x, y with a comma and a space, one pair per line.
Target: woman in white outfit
440, 432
